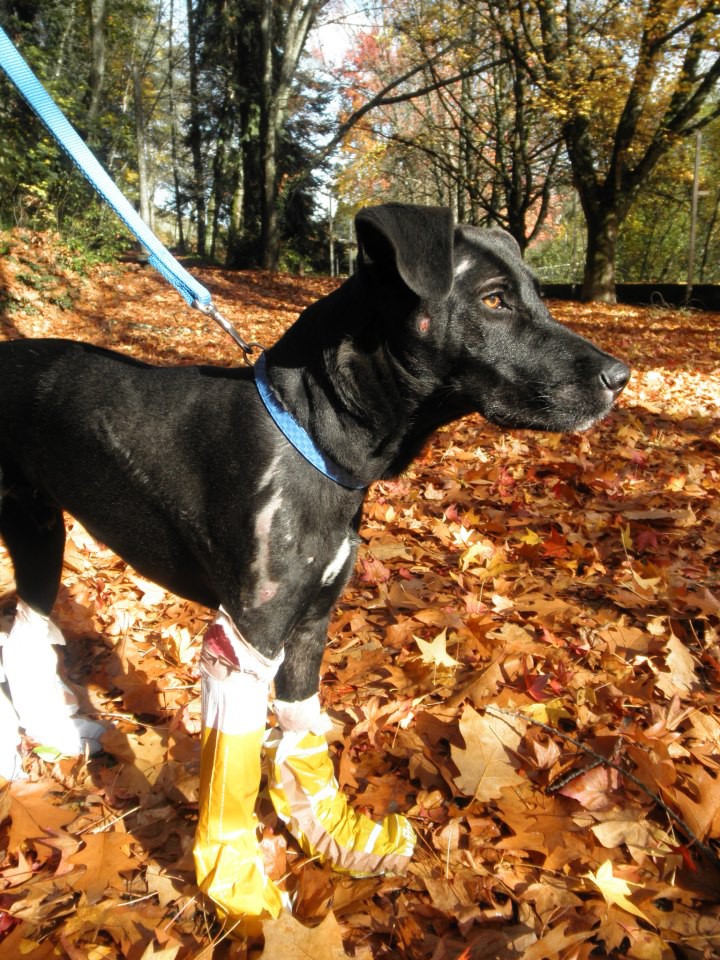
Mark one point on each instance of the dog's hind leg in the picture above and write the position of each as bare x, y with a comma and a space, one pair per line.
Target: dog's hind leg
10, 758
34, 534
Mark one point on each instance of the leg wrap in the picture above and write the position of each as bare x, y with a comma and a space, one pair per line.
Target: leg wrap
235, 681
306, 797
10, 759
45, 706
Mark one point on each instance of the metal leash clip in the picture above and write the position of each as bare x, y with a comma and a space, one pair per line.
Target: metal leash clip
210, 310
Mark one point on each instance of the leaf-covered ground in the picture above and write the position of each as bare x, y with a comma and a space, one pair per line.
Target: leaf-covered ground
526, 662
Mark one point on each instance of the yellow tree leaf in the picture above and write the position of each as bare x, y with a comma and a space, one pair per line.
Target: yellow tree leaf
615, 889
531, 538
154, 952
435, 652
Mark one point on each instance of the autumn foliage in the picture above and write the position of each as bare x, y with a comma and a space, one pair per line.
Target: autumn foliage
526, 662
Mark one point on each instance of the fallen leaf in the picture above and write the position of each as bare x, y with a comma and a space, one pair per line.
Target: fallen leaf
486, 763
615, 889
681, 675
594, 788
105, 856
435, 652
33, 812
286, 937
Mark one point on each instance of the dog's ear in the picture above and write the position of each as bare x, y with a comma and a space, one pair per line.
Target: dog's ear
507, 240
495, 236
412, 241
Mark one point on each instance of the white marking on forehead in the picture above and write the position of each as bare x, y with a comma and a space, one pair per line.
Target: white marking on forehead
265, 588
336, 565
463, 266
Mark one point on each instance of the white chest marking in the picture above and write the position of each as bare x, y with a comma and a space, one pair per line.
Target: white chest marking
265, 588
270, 474
336, 565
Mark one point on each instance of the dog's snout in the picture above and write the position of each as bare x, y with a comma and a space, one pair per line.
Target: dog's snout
615, 376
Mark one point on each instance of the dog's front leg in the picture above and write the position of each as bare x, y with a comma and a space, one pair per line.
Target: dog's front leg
303, 786
235, 682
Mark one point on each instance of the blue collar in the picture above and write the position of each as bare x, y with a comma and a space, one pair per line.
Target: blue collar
296, 434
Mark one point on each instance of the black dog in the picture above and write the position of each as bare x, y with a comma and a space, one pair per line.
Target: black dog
184, 474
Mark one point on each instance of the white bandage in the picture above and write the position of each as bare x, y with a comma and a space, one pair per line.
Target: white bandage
301, 715
44, 705
10, 759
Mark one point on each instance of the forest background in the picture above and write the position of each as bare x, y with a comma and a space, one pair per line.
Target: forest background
527, 659
250, 131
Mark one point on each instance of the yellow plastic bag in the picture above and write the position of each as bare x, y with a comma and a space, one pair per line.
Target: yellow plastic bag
228, 862
307, 798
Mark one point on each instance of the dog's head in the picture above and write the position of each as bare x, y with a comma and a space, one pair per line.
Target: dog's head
477, 324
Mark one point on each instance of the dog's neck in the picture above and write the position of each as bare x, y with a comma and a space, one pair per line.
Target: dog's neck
351, 388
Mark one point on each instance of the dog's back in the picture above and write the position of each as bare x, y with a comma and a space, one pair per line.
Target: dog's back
124, 446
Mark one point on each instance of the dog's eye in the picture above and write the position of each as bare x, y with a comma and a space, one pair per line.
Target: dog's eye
493, 301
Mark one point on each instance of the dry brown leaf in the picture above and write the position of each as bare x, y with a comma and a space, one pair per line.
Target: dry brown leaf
682, 676
34, 809
580, 568
286, 937
487, 763
105, 857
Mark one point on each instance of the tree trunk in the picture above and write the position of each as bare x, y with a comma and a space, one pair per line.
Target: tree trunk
269, 236
195, 136
280, 56
141, 141
235, 226
710, 230
218, 182
174, 135
60, 55
97, 57
599, 279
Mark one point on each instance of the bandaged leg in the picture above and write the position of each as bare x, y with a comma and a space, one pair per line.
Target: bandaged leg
45, 706
235, 682
307, 798
10, 759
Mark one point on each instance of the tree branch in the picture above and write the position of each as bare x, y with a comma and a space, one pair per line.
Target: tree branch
382, 99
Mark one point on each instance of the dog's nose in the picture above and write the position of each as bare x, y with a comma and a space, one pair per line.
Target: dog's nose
615, 376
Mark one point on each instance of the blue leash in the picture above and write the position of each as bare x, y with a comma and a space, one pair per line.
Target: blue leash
194, 293
47, 110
